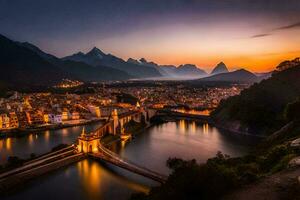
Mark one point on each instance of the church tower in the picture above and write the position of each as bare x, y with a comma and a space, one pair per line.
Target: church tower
115, 118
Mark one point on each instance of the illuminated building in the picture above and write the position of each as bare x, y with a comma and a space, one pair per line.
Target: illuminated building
4, 121
13, 120
75, 115
95, 110
64, 116
55, 118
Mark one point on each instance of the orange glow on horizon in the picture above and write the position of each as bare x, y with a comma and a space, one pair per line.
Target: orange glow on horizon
254, 63
208, 44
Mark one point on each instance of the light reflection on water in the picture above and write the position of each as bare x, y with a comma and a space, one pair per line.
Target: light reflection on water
90, 179
182, 139
39, 143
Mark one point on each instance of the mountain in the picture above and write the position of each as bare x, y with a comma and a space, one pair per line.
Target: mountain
260, 108
50, 58
144, 62
80, 70
97, 58
21, 66
190, 70
171, 71
239, 76
183, 71
220, 68
87, 73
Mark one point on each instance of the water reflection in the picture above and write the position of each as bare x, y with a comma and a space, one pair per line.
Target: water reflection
205, 128
89, 179
193, 127
47, 136
94, 180
184, 139
39, 143
182, 126
8, 144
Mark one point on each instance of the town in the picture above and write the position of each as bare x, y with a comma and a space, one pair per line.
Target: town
40, 110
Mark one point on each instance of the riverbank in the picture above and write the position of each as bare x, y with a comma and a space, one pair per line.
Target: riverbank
22, 132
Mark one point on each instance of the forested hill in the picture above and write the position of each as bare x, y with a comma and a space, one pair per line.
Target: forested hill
260, 109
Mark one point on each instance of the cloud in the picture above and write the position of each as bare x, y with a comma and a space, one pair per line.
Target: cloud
290, 26
260, 35
286, 27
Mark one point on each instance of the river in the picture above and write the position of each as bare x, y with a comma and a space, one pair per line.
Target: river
89, 179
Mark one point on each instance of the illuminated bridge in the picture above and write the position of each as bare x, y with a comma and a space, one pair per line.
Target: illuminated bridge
90, 144
110, 157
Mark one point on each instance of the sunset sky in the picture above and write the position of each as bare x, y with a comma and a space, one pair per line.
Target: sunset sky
253, 34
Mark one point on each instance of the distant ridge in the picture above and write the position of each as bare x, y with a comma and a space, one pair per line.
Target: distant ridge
80, 70
182, 71
95, 57
239, 76
22, 67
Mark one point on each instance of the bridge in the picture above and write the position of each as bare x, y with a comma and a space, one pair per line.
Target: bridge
90, 144
39, 166
113, 158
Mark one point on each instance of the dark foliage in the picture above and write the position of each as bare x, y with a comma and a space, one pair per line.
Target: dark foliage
218, 176
292, 111
261, 107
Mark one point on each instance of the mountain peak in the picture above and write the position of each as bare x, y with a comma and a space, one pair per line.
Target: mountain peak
96, 52
79, 53
191, 66
220, 68
134, 61
190, 70
143, 60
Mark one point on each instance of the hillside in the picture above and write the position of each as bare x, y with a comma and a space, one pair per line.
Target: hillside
21, 67
81, 70
260, 109
239, 76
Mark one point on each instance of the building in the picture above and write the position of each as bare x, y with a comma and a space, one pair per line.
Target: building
46, 118
95, 110
34, 118
65, 116
13, 120
55, 118
4, 121
22, 118
75, 115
